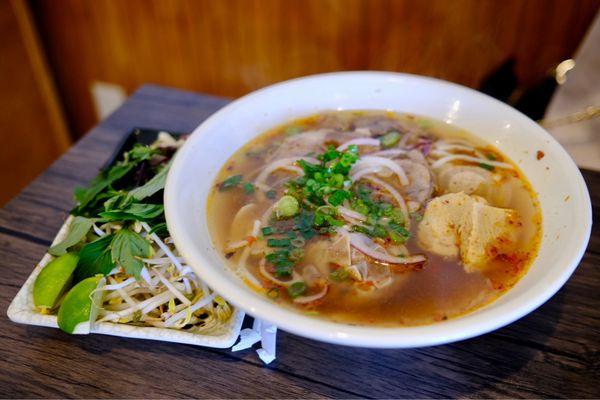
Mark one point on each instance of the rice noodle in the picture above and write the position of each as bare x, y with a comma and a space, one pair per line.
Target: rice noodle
256, 228
370, 161
454, 157
264, 219
311, 298
365, 245
359, 142
236, 245
241, 265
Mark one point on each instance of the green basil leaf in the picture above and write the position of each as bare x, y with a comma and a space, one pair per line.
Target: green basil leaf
78, 228
154, 185
117, 202
160, 229
83, 196
127, 248
134, 212
95, 258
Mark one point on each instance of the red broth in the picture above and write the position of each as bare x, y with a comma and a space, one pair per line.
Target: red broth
413, 294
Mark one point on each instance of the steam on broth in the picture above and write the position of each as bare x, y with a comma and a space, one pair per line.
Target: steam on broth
374, 218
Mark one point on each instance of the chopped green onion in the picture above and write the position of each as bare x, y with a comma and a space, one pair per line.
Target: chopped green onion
296, 289
230, 182
248, 188
287, 207
296, 254
491, 157
338, 197
279, 243
339, 274
274, 258
390, 139
268, 230
284, 268
298, 242
271, 194
486, 166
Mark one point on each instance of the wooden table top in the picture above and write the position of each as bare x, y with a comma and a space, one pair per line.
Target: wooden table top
553, 352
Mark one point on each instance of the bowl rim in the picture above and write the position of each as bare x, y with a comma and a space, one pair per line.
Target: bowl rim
452, 330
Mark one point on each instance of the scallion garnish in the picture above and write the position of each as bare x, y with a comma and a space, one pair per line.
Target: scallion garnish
230, 182
296, 289
268, 230
279, 242
248, 188
390, 139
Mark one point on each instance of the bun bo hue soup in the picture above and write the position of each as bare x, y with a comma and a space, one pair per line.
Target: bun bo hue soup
374, 218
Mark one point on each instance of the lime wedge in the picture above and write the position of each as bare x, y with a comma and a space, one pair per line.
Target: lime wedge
78, 312
53, 280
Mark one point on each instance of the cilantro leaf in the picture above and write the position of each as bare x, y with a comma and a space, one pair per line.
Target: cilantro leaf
127, 248
95, 258
78, 228
140, 152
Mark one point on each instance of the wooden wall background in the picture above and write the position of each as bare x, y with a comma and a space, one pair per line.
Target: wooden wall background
231, 47
32, 130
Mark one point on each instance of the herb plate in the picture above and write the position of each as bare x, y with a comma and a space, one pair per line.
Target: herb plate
22, 309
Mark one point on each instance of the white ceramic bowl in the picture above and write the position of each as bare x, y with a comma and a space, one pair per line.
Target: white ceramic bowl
561, 189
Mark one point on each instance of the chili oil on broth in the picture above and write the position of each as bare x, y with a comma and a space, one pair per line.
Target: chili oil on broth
419, 294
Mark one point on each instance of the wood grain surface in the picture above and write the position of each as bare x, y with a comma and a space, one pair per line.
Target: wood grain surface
32, 126
553, 352
231, 47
